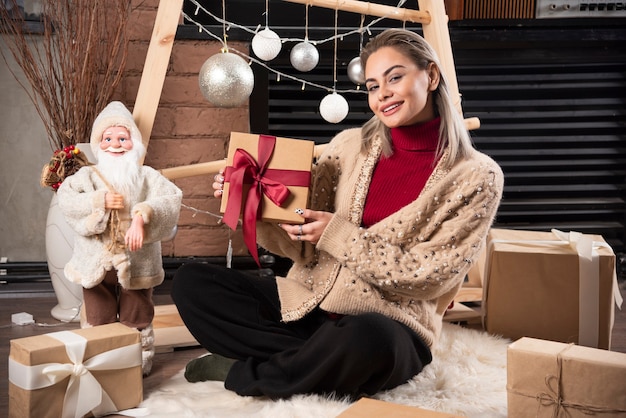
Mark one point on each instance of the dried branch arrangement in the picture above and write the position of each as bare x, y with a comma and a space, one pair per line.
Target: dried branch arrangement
74, 65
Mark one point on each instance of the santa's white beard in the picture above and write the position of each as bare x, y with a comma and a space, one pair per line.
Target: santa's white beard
122, 172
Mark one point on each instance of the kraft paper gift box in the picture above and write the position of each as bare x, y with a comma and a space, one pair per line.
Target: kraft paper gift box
266, 178
373, 408
91, 371
547, 379
281, 160
550, 285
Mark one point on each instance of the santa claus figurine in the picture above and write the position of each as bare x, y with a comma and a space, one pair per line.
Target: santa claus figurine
120, 210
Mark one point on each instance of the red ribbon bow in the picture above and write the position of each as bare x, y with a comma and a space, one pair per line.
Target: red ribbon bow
269, 182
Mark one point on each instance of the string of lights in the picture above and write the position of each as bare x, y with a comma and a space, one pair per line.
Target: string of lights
197, 211
227, 25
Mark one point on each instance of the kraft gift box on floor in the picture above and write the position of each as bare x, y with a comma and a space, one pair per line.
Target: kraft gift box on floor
75, 373
547, 379
550, 285
372, 408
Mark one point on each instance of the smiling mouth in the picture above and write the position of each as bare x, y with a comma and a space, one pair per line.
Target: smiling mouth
115, 150
390, 108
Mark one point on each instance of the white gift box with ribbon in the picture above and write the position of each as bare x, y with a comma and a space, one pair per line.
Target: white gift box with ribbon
92, 371
558, 286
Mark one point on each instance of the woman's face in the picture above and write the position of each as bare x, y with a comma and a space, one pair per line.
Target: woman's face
398, 91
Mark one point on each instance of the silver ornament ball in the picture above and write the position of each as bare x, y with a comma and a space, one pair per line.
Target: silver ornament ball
334, 108
266, 44
226, 80
304, 56
356, 71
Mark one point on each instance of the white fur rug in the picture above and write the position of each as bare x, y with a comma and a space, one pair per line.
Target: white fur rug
467, 377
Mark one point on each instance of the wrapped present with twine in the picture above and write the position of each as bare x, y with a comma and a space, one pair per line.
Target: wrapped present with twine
91, 371
548, 379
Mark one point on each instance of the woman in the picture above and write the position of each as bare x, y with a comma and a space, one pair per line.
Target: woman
399, 210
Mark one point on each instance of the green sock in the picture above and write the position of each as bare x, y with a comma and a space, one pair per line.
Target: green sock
209, 367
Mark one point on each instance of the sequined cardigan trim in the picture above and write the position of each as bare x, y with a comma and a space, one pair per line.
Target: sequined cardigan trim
363, 182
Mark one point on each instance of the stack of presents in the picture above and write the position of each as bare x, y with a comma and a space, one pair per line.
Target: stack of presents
552, 293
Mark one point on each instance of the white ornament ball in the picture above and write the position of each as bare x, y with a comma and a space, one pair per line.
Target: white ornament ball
266, 44
304, 56
334, 108
226, 80
356, 72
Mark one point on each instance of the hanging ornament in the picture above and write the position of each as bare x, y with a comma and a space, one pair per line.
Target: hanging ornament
304, 56
226, 80
355, 71
266, 44
334, 108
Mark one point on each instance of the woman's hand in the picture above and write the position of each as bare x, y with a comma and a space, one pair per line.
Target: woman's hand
314, 221
218, 184
312, 229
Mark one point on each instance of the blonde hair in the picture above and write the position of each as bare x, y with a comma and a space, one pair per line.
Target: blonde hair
452, 133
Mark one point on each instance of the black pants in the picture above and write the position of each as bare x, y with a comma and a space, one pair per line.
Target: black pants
238, 316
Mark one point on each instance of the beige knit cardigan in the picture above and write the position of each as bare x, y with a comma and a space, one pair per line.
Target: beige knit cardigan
408, 266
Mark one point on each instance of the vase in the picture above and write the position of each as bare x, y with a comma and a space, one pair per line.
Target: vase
59, 248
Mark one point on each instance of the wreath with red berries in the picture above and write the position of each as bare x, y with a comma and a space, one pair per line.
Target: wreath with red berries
64, 163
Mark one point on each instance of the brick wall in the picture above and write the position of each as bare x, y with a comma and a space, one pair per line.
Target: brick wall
187, 130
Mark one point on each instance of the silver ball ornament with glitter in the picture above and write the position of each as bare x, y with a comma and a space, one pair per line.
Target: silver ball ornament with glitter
304, 56
356, 71
266, 44
334, 108
226, 80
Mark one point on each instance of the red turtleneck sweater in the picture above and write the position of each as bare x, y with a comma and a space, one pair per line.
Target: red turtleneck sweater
399, 179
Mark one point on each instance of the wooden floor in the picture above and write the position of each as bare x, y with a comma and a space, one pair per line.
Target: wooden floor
166, 364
